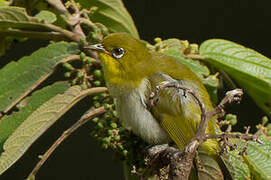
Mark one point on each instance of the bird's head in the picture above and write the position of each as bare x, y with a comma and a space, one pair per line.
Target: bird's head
124, 59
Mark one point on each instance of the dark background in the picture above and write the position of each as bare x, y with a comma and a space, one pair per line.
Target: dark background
244, 21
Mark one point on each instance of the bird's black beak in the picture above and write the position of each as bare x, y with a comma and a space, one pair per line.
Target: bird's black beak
96, 47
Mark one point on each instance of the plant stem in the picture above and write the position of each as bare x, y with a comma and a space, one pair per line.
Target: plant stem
33, 34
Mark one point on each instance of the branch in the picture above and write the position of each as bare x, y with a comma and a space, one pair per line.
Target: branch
74, 21
85, 118
71, 58
58, 5
231, 96
181, 163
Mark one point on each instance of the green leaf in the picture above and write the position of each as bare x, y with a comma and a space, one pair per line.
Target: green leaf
258, 158
17, 79
200, 70
9, 123
236, 166
15, 17
251, 70
37, 123
46, 16
39, 5
112, 14
208, 168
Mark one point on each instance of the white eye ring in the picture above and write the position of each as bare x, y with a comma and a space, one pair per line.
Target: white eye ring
117, 53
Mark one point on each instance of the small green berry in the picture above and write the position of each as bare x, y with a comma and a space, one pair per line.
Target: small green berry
97, 83
96, 98
83, 41
96, 104
68, 66
112, 146
107, 106
109, 132
114, 125
194, 48
113, 106
89, 60
117, 138
93, 9
80, 74
115, 114
95, 37
120, 147
107, 116
103, 95
157, 40
104, 31
95, 135
231, 118
106, 140
67, 74
100, 125
97, 73
125, 153
264, 120
84, 86
104, 146
82, 56
102, 28
96, 119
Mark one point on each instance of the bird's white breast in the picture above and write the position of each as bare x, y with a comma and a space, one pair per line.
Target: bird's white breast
135, 116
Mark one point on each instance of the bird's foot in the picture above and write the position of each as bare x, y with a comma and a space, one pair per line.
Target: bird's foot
164, 159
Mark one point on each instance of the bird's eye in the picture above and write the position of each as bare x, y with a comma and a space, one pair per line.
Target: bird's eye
117, 53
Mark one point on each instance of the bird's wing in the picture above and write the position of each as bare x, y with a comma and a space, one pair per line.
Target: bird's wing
178, 112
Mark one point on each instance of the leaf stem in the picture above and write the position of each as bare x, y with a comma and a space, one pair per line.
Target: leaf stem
33, 34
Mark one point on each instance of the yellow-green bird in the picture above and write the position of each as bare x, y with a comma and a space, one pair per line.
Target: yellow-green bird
132, 72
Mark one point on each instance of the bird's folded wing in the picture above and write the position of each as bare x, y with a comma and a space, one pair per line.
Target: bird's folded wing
177, 112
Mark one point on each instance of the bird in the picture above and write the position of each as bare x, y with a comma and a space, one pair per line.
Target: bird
132, 72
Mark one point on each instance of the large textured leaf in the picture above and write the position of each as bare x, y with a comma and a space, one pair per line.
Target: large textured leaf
236, 166
15, 17
17, 79
258, 158
112, 14
251, 70
9, 123
37, 123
